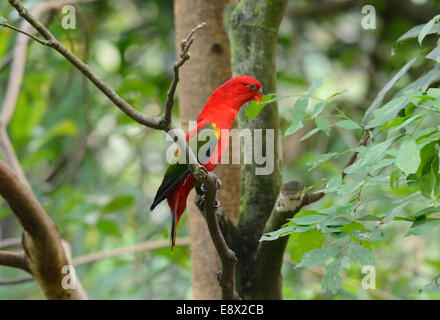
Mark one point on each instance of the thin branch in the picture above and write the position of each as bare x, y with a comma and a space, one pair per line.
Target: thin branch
354, 155
141, 247
98, 256
6, 25
14, 281
10, 243
160, 123
14, 259
184, 56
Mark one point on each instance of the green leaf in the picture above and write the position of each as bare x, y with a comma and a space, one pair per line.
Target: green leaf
294, 127
289, 229
421, 226
337, 94
309, 134
299, 109
323, 124
318, 109
317, 160
315, 85
367, 235
317, 256
348, 124
300, 243
429, 184
408, 157
384, 114
375, 152
434, 54
310, 219
393, 213
415, 32
381, 95
332, 280
255, 108
426, 29
361, 255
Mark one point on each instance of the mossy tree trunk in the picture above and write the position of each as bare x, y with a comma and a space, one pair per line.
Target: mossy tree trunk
252, 27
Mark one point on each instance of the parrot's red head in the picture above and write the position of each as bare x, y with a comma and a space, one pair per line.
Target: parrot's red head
225, 102
245, 87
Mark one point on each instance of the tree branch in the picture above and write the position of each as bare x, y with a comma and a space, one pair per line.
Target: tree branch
269, 257
6, 25
44, 254
98, 256
160, 123
9, 243
14, 259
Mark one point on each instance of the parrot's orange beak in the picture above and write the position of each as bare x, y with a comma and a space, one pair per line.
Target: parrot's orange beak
259, 96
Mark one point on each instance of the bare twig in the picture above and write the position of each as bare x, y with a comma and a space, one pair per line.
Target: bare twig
354, 155
14, 281
160, 123
6, 25
141, 247
184, 56
10, 243
14, 259
98, 256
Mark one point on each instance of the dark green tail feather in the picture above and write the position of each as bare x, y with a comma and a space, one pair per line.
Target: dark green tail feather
173, 231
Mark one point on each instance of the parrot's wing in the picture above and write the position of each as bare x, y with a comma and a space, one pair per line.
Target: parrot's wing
174, 175
207, 140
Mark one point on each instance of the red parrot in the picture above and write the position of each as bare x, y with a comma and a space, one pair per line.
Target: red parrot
219, 113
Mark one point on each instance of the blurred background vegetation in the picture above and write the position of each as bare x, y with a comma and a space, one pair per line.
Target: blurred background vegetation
96, 171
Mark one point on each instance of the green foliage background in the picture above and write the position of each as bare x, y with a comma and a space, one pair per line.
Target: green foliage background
95, 170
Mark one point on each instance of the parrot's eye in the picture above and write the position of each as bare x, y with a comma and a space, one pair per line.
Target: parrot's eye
252, 86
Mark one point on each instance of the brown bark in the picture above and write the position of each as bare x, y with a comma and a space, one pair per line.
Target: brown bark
209, 68
44, 255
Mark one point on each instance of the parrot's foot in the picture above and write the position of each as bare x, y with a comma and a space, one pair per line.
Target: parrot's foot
218, 186
201, 202
201, 173
217, 204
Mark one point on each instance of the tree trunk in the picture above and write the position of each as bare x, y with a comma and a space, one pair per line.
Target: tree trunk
253, 31
208, 68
